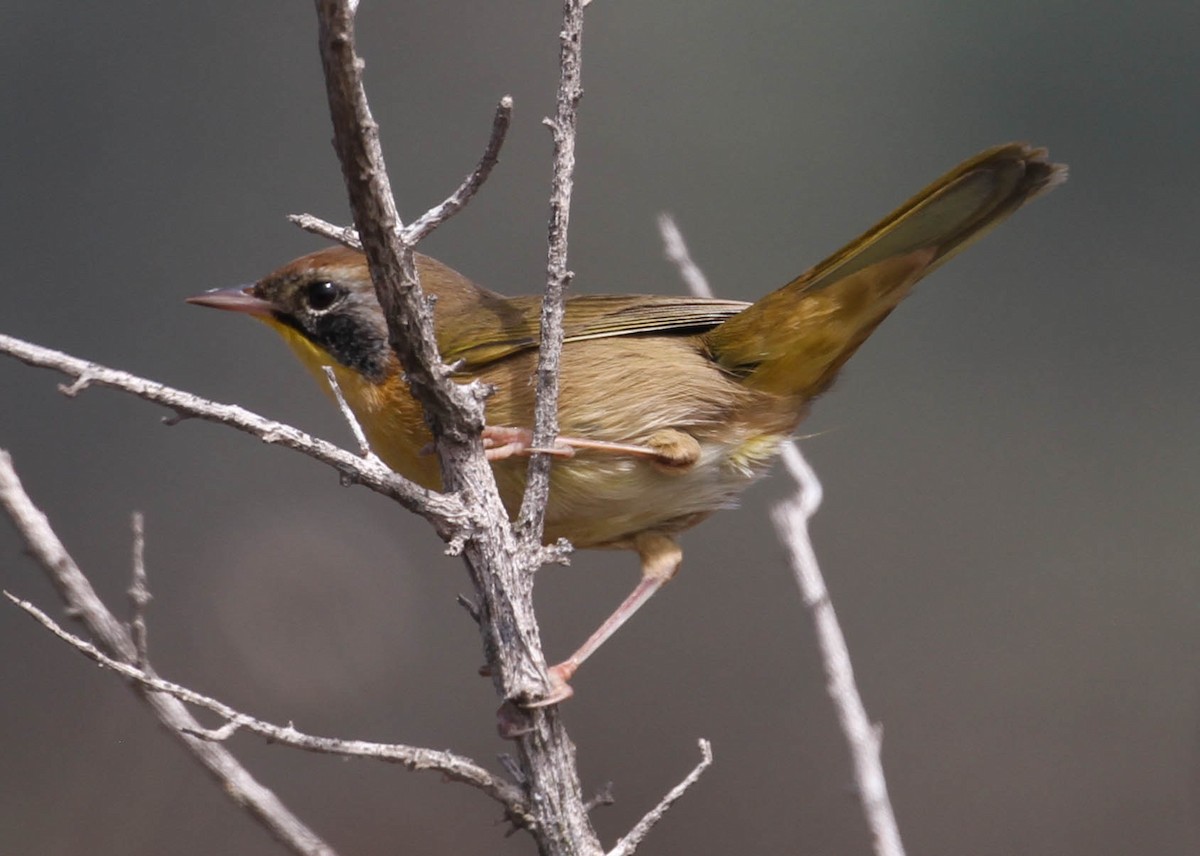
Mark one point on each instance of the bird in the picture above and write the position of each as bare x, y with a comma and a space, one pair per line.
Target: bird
669, 406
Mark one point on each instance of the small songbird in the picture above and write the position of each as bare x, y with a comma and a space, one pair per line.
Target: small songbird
670, 407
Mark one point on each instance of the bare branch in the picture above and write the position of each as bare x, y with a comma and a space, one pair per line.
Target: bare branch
558, 277
454, 411
438, 215
139, 592
863, 737
344, 235
501, 565
85, 606
791, 521
445, 511
676, 251
364, 448
642, 828
454, 767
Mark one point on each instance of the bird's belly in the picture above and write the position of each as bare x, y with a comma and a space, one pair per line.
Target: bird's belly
600, 499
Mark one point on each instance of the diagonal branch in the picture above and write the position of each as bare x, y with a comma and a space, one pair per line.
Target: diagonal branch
863, 737
434, 217
347, 236
676, 251
454, 411
439, 214
360, 437
454, 767
86, 607
791, 522
445, 511
641, 829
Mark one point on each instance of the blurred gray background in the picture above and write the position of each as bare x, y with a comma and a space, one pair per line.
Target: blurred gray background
1011, 462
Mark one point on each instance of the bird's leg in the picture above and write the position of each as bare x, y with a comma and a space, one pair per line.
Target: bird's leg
500, 442
660, 556
669, 446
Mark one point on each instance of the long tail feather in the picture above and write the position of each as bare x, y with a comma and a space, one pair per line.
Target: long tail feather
794, 340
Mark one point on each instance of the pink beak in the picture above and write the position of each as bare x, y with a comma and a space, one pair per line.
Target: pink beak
236, 299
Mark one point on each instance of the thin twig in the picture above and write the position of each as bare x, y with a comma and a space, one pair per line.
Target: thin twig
436, 216
139, 592
344, 235
676, 251
364, 447
862, 736
440, 213
454, 767
445, 511
85, 606
642, 828
791, 521
558, 277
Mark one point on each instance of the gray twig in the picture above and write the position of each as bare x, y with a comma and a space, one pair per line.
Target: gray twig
676, 251
344, 235
642, 828
455, 411
558, 277
139, 592
454, 767
446, 511
436, 216
84, 605
364, 447
862, 736
439, 214
791, 522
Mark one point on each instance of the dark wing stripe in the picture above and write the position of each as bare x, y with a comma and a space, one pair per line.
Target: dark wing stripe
601, 317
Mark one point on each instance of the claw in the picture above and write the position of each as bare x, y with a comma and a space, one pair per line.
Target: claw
560, 689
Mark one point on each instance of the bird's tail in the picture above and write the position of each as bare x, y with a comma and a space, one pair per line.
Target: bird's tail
794, 340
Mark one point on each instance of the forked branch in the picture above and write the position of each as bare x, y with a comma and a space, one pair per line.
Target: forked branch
454, 767
85, 606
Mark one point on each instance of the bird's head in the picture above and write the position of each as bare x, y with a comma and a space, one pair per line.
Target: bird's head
324, 306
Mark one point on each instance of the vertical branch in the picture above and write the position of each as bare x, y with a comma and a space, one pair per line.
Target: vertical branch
501, 566
558, 277
568, 812
139, 592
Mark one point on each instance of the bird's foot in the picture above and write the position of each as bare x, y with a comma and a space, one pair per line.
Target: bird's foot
503, 441
560, 688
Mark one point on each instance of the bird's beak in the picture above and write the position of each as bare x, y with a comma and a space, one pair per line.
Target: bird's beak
236, 299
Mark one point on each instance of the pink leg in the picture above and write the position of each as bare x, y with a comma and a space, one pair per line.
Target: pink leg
503, 441
660, 561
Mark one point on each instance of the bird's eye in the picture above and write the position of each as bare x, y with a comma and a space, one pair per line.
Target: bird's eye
321, 295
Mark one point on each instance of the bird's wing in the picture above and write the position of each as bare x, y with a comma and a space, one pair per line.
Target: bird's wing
514, 323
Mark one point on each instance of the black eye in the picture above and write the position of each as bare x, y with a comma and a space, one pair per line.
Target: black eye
321, 295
